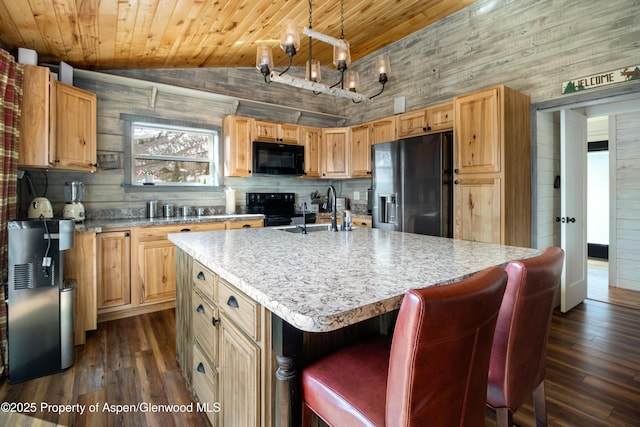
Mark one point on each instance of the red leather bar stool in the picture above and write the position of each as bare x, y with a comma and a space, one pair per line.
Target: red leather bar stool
519, 351
434, 373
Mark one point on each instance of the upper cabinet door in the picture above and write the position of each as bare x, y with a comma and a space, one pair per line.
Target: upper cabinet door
312, 152
265, 131
360, 152
440, 117
75, 142
289, 133
477, 132
237, 145
412, 123
35, 120
383, 130
335, 153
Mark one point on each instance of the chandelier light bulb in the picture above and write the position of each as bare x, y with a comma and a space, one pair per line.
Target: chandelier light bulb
289, 37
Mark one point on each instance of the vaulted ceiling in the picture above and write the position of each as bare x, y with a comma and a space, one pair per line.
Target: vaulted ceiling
118, 34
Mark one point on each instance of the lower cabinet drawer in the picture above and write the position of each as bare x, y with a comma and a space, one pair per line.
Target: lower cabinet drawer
240, 308
204, 279
205, 383
205, 325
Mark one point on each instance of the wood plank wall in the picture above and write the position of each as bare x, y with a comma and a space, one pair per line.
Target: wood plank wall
626, 246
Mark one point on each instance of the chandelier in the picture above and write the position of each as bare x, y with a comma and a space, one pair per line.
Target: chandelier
349, 83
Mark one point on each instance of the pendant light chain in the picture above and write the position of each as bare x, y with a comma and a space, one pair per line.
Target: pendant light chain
310, 27
342, 19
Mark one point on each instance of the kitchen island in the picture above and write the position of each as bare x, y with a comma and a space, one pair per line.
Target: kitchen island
321, 283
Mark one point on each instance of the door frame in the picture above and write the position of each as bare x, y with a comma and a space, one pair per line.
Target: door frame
612, 100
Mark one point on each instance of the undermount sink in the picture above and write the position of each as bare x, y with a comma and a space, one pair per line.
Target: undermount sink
311, 228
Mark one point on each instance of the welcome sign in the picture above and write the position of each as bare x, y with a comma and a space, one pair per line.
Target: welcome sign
602, 79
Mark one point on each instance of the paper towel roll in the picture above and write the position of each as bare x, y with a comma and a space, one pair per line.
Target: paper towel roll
231, 201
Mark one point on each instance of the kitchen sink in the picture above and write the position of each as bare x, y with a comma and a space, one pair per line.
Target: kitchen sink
311, 228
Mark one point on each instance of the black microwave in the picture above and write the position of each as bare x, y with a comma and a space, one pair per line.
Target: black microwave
277, 159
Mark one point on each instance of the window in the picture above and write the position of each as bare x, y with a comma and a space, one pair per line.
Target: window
164, 153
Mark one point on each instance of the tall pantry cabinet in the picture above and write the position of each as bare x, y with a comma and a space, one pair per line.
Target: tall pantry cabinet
492, 167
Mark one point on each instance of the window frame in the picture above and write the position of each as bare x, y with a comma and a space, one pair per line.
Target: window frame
215, 161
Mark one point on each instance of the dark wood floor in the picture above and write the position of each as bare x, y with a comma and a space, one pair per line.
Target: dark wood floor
124, 362
593, 374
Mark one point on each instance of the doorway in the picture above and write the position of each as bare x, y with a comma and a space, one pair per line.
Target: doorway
612, 102
598, 208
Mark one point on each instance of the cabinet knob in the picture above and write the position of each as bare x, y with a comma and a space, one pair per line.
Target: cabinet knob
184, 230
233, 302
246, 225
127, 234
456, 170
200, 309
456, 182
200, 368
214, 321
200, 276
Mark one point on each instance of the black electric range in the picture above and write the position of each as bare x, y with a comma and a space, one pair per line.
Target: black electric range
277, 208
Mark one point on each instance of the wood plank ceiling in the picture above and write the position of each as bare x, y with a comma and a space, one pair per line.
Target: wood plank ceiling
116, 34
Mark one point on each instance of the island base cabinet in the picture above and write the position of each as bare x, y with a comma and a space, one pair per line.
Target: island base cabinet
205, 384
240, 379
220, 329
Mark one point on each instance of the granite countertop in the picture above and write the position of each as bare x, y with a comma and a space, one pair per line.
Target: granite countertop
323, 281
97, 225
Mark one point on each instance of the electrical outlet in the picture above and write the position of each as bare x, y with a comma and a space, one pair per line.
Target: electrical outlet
356, 195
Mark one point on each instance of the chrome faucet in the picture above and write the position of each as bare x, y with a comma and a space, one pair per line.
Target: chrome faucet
303, 227
331, 195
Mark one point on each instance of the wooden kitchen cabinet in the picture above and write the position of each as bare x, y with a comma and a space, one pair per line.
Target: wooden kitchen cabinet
477, 208
360, 151
492, 167
383, 130
80, 264
240, 379
311, 139
335, 153
154, 275
229, 341
114, 254
76, 129
276, 132
36, 119
205, 333
428, 120
237, 145
58, 124
249, 223
440, 117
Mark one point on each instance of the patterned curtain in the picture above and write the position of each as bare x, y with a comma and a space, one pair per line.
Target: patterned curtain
11, 74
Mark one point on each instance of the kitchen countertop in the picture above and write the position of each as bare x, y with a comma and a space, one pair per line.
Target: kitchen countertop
324, 280
97, 225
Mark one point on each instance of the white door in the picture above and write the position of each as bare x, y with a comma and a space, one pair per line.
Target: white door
573, 184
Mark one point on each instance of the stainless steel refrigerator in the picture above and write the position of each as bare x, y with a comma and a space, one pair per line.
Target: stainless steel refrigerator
412, 188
